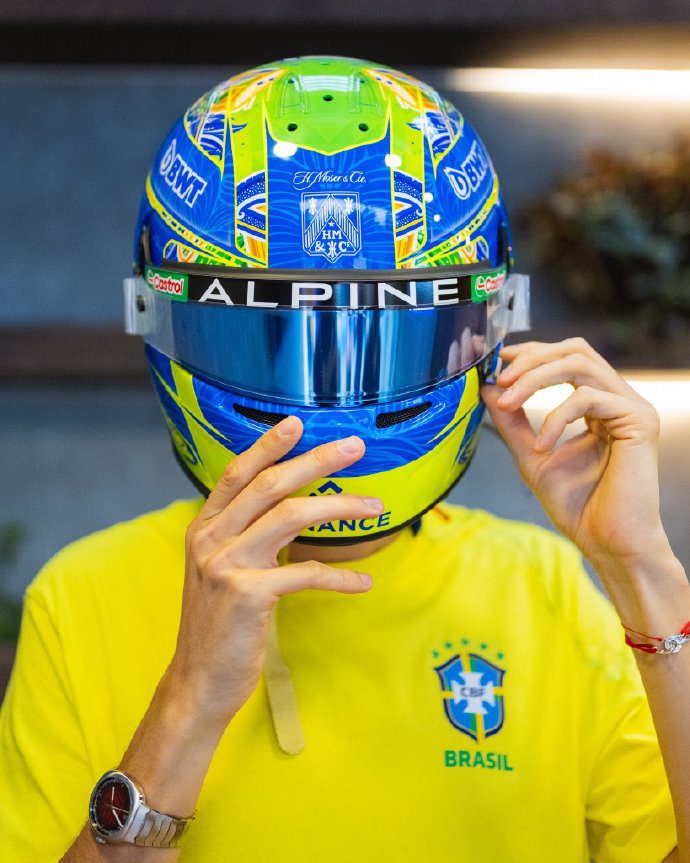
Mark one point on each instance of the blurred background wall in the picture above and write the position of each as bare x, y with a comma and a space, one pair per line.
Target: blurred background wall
590, 171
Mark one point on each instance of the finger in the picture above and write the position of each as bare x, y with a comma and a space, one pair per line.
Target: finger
260, 543
565, 346
314, 575
269, 448
575, 369
278, 481
262, 588
531, 354
622, 418
597, 428
513, 427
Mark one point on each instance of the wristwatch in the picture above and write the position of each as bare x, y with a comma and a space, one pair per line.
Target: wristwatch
119, 815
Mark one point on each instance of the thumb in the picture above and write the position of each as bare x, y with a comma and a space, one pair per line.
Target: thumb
513, 426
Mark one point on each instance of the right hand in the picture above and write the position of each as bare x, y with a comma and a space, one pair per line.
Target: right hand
232, 576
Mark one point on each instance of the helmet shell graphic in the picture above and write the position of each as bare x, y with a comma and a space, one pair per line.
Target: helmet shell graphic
324, 163
254, 170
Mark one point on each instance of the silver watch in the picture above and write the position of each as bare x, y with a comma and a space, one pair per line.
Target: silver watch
119, 815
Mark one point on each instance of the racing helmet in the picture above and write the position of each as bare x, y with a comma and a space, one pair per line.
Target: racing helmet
325, 237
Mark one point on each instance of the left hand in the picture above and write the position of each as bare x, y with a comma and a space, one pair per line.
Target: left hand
600, 488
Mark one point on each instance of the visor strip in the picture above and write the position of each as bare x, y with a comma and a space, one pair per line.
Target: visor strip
188, 287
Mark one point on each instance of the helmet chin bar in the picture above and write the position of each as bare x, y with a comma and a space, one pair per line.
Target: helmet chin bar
410, 477
340, 541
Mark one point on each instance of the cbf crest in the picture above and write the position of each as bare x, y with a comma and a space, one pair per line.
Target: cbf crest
331, 225
473, 694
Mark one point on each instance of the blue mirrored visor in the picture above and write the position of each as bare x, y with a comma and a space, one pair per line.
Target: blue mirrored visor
325, 356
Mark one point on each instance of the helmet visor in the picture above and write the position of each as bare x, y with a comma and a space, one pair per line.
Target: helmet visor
326, 356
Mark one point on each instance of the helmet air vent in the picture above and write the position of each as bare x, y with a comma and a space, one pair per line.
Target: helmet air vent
384, 421
267, 418
291, 96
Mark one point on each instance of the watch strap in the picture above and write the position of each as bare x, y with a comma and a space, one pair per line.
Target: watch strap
159, 830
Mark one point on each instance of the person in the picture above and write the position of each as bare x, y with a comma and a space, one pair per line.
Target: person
320, 660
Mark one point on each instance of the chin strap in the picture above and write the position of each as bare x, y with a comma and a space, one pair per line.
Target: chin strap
282, 698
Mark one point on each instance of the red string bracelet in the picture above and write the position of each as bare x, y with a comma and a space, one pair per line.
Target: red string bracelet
671, 644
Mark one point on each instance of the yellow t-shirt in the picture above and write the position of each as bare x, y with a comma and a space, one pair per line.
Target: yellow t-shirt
478, 704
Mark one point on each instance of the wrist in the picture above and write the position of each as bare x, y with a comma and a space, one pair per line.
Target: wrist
182, 699
648, 555
172, 749
651, 592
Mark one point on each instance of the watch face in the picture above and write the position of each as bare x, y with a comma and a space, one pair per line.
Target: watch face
111, 805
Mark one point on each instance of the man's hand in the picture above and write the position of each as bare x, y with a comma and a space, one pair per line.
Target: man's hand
233, 580
599, 488
232, 583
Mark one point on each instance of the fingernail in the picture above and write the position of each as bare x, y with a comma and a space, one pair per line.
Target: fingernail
366, 579
350, 445
374, 504
287, 427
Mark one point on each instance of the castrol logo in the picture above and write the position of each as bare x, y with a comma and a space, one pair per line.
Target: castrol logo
165, 283
489, 284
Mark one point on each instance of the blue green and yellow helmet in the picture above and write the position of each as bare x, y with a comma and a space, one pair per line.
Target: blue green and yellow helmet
325, 237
